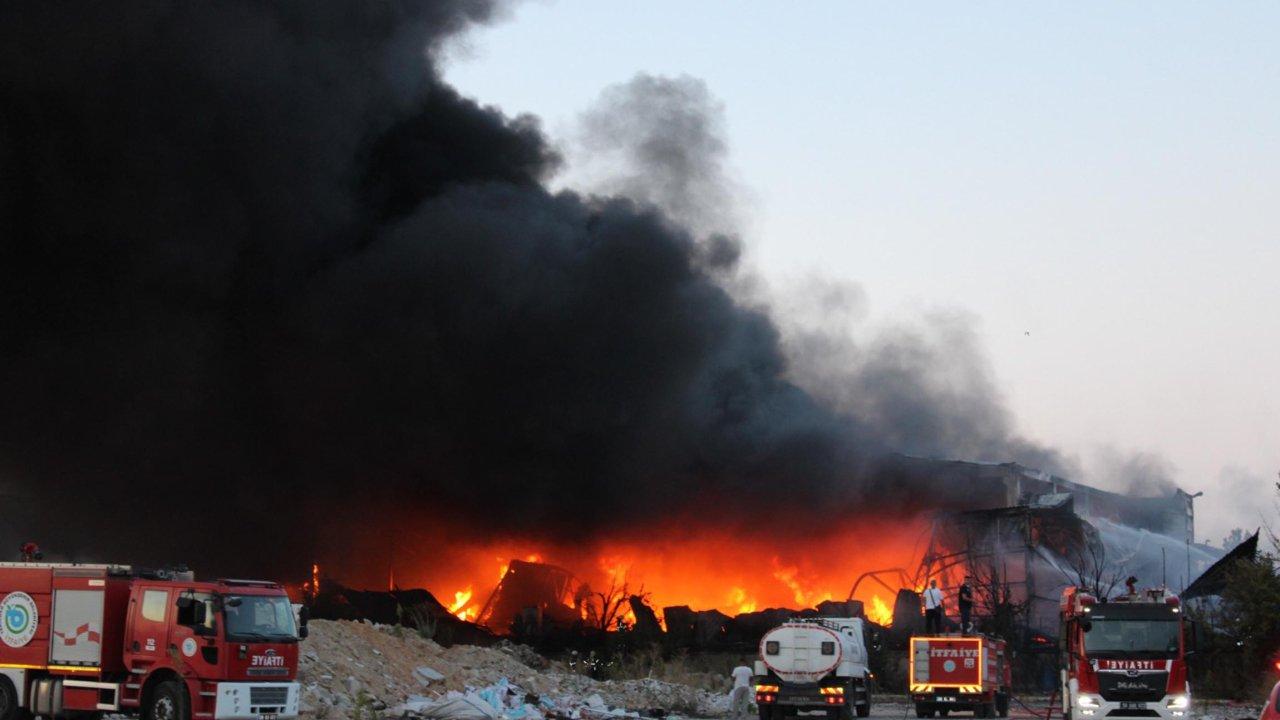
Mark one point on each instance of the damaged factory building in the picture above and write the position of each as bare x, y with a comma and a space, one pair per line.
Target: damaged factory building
1022, 534
1028, 535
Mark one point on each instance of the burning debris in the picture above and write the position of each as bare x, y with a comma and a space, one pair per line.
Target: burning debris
1041, 532
534, 595
416, 609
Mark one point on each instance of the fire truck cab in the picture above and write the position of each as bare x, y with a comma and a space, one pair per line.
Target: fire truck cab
78, 639
1125, 657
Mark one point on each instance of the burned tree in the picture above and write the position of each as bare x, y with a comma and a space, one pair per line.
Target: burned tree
999, 610
605, 610
1088, 564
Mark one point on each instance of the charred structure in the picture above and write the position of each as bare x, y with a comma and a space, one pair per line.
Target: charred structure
1044, 533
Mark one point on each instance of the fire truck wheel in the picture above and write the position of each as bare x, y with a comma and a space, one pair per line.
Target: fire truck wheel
985, 710
923, 711
169, 702
864, 710
1002, 704
9, 709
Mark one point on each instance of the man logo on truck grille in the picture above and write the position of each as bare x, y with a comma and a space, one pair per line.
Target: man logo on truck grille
18, 619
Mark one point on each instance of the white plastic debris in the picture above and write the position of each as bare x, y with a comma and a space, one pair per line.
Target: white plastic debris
458, 706
427, 674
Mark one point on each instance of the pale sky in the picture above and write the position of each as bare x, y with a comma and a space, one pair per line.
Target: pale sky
1105, 176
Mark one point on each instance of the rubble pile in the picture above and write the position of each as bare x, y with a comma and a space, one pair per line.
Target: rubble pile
360, 669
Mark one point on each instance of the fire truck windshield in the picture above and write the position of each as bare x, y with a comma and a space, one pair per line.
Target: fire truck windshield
1127, 637
261, 618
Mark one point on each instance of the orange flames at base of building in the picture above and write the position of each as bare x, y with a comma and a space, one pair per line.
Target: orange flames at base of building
707, 570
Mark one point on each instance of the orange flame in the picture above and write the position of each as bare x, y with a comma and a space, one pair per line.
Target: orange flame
738, 597
459, 606
311, 588
879, 611
704, 568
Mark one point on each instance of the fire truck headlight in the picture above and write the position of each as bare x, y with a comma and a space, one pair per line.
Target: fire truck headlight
1179, 702
1087, 701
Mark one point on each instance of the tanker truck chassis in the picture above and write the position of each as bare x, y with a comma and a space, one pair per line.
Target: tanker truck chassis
817, 664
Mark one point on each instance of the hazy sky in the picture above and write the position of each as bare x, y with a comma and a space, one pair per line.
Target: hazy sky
1104, 176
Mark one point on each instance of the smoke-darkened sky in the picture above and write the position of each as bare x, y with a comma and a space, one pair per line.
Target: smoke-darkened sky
270, 287
1102, 177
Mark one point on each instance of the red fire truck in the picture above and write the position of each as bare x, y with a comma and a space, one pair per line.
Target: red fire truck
1126, 657
80, 639
960, 673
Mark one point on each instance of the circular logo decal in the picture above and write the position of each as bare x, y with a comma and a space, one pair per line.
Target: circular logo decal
18, 619
189, 647
949, 666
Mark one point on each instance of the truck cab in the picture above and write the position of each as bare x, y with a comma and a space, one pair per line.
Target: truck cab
108, 638
232, 643
1126, 657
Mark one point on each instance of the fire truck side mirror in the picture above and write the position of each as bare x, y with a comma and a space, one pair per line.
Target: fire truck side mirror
1086, 625
184, 602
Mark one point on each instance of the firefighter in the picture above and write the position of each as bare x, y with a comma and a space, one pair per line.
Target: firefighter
932, 608
740, 696
965, 602
1131, 588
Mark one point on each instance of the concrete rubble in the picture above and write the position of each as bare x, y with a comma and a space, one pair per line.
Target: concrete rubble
363, 670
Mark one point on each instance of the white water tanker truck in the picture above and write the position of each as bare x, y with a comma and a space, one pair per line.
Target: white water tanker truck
813, 664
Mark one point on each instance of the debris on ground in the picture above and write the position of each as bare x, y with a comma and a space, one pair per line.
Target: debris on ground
359, 669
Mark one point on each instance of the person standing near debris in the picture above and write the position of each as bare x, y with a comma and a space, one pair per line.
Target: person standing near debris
740, 696
932, 608
966, 605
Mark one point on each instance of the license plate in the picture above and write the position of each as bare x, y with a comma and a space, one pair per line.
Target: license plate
268, 716
799, 701
944, 699
1133, 706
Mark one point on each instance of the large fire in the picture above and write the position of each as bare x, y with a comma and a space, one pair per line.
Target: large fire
732, 573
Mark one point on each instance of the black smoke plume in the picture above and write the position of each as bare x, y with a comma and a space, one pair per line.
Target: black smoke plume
271, 290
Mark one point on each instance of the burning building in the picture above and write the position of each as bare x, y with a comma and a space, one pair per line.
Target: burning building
1024, 534
297, 269
1042, 533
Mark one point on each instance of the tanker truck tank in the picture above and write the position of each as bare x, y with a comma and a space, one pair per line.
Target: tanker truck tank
813, 664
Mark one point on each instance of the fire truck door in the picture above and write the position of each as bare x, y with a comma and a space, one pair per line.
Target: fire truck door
149, 611
194, 632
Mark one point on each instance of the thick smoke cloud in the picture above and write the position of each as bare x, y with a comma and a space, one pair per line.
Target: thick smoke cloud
272, 290
660, 141
924, 388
